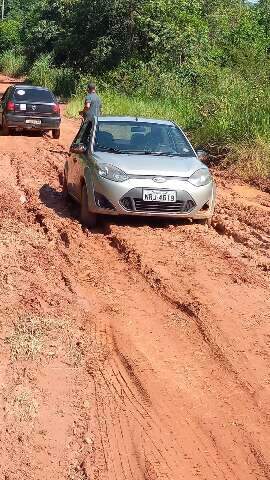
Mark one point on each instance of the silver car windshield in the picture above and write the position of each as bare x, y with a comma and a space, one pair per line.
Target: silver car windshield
141, 138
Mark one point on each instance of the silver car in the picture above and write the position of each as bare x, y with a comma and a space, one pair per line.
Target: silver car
137, 166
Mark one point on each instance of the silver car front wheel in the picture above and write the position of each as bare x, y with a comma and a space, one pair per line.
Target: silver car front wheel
205, 221
87, 218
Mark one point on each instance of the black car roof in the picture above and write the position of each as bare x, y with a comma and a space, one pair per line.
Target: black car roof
25, 87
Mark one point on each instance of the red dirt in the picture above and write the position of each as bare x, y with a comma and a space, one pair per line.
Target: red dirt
148, 356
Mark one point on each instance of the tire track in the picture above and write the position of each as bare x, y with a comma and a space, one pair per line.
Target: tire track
194, 309
120, 398
128, 409
151, 424
186, 308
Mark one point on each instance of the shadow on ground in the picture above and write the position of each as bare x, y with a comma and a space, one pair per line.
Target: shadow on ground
55, 200
24, 133
67, 208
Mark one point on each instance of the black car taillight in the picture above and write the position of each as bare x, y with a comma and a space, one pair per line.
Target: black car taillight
56, 108
10, 106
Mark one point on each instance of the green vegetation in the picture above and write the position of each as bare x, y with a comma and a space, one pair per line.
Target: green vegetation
12, 63
204, 64
120, 104
60, 80
250, 160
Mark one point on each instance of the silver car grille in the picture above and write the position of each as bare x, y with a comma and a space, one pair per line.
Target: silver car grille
133, 202
139, 205
161, 207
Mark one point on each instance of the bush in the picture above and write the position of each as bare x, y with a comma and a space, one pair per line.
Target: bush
233, 109
65, 82
12, 63
62, 81
42, 72
10, 31
137, 89
220, 107
250, 160
115, 103
222, 110
151, 79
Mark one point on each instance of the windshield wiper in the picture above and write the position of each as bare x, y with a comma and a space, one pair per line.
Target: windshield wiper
137, 152
109, 149
160, 154
149, 152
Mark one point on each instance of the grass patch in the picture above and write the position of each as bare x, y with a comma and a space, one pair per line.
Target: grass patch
233, 114
60, 80
250, 160
24, 406
120, 104
36, 336
12, 63
28, 339
233, 111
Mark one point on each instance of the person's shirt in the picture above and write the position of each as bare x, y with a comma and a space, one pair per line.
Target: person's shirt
95, 105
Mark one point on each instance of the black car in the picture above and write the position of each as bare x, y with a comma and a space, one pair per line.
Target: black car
29, 107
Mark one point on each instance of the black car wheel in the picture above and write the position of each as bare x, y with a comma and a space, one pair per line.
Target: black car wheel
56, 133
5, 129
87, 218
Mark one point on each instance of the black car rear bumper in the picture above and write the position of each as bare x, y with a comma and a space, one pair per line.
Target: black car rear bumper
23, 121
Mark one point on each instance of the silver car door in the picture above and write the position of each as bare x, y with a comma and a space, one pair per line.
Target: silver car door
83, 159
73, 162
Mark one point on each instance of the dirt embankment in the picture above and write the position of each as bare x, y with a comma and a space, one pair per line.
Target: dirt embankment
139, 351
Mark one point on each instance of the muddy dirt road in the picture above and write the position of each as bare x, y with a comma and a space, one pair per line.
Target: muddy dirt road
139, 351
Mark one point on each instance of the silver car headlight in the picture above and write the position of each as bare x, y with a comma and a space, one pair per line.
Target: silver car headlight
112, 173
201, 177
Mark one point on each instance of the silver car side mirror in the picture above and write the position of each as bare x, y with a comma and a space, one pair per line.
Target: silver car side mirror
201, 154
79, 148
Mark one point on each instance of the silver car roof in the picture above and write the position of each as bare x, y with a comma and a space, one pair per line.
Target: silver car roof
109, 118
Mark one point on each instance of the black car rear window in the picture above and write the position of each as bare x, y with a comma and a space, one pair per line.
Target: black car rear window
33, 95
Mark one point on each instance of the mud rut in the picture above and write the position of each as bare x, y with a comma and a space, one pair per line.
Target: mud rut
156, 365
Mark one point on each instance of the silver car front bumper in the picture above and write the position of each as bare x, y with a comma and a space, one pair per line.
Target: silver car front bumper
126, 198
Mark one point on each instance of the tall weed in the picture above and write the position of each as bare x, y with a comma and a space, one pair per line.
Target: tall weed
222, 108
62, 81
12, 63
120, 104
42, 72
250, 160
233, 110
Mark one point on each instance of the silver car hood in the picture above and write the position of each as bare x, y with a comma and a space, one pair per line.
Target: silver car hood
151, 164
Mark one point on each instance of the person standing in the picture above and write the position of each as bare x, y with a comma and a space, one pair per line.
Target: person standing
92, 104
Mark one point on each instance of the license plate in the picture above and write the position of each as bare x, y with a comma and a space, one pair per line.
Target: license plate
23, 106
32, 121
166, 196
